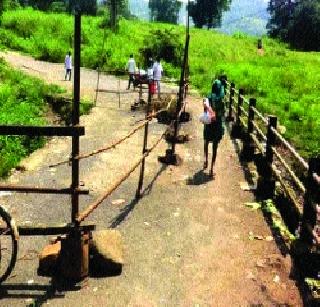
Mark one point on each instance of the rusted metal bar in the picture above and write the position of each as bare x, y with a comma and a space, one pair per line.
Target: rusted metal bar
76, 116
41, 130
49, 230
144, 148
103, 149
84, 214
35, 190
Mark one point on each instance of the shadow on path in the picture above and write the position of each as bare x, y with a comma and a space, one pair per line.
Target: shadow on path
200, 177
130, 206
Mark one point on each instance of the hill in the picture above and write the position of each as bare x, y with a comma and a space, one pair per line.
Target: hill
285, 82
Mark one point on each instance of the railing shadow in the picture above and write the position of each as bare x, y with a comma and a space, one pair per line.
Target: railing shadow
130, 206
55, 289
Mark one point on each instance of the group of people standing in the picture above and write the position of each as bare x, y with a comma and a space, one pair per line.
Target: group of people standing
154, 72
213, 104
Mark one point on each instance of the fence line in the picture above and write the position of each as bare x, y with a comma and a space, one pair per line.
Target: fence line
309, 187
83, 215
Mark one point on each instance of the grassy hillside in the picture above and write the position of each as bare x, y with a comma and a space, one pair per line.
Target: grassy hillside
22, 103
284, 82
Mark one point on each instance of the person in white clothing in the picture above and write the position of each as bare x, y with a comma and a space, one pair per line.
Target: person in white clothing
157, 73
68, 65
131, 67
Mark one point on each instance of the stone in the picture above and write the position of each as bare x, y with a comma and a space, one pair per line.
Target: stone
106, 253
48, 259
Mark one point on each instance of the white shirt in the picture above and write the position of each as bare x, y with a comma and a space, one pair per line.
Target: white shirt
157, 71
68, 62
131, 66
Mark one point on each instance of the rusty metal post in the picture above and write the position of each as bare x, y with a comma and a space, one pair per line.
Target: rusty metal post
180, 95
145, 144
76, 117
248, 146
230, 118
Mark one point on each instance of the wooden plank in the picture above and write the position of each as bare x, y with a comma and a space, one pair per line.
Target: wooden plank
41, 130
26, 189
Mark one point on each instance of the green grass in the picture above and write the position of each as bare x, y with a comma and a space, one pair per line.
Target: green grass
285, 82
21, 103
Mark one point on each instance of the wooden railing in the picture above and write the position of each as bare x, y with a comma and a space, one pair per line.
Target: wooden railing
279, 162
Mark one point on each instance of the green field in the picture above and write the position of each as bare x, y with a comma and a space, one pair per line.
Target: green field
21, 103
285, 82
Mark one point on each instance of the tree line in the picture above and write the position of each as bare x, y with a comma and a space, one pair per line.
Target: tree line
296, 22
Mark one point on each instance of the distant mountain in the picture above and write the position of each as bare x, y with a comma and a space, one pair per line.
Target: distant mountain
248, 16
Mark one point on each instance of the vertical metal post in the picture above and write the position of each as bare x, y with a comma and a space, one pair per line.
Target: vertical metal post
180, 96
76, 117
231, 97
145, 144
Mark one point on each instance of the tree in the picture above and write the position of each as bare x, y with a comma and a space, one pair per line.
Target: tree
164, 10
208, 12
296, 22
88, 7
281, 13
304, 27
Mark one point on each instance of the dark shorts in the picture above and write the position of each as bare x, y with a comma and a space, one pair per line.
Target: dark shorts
214, 132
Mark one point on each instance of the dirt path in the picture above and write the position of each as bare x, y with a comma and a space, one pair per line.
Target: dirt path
186, 241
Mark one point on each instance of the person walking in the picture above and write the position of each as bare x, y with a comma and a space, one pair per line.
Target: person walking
157, 74
131, 67
68, 65
213, 132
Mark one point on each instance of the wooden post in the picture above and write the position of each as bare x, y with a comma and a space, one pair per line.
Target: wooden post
266, 182
311, 202
231, 97
248, 146
237, 129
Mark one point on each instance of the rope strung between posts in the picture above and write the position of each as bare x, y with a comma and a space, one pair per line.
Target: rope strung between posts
244, 111
84, 214
103, 149
264, 120
291, 149
292, 174
262, 135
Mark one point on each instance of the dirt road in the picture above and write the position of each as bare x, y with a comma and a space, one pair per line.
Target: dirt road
186, 241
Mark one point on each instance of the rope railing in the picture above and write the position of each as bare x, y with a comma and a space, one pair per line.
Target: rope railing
105, 148
261, 134
290, 148
84, 214
263, 119
289, 170
244, 111
275, 167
